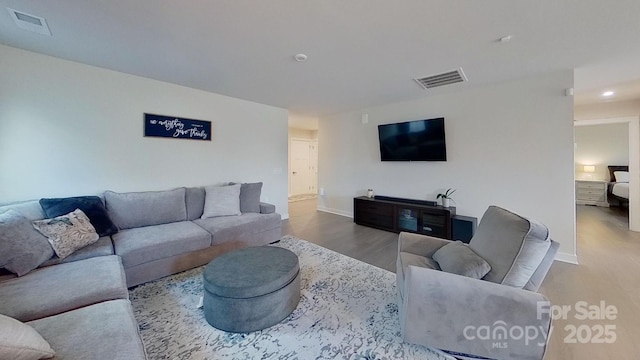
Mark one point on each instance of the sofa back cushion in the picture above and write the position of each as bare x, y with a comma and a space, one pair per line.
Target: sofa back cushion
137, 209
195, 202
514, 246
30, 209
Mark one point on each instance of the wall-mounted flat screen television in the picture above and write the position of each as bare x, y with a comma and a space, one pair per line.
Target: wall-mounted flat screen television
420, 140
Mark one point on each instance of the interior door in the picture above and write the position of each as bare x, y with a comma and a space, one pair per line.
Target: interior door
300, 172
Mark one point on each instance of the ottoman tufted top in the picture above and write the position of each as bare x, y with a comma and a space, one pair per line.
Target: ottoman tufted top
250, 272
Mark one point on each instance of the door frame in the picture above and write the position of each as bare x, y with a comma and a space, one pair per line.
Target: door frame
633, 123
291, 140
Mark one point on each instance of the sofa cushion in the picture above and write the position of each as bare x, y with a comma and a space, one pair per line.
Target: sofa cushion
221, 201
22, 248
102, 247
107, 330
137, 209
195, 202
20, 341
514, 246
30, 209
144, 244
68, 233
92, 206
457, 258
55, 289
228, 228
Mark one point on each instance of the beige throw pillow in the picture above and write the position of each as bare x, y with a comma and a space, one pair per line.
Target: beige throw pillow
19, 341
68, 233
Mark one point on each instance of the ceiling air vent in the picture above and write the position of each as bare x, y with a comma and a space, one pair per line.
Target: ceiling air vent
446, 78
30, 22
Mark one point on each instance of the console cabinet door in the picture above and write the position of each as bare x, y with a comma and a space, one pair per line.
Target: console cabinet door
374, 214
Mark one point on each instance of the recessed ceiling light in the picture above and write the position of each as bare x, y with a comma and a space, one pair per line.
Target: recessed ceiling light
505, 39
608, 93
300, 57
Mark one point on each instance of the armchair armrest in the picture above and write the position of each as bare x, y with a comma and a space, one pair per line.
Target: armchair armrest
477, 317
417, 244
266, 208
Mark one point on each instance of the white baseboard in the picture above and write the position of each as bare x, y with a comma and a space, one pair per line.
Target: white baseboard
568, 258
284, 216
335, 211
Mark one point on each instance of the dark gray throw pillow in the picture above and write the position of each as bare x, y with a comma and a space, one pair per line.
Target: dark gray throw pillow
22, 248
458, 258
249, 197
91, 206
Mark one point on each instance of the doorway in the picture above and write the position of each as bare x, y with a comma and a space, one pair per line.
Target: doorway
633, 127
303, 168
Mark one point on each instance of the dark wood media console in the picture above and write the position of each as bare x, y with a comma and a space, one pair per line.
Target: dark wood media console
400, 216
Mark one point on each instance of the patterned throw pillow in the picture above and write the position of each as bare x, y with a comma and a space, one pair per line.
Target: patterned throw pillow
68, 233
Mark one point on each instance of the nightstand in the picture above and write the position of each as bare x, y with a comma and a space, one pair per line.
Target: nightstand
591, 192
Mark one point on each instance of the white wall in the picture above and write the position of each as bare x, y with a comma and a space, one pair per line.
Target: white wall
608, 109
601, 145
508, 144
73, 129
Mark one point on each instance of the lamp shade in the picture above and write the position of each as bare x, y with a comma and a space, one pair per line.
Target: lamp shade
589, 168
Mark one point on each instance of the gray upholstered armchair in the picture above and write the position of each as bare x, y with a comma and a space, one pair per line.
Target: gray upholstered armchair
498, 314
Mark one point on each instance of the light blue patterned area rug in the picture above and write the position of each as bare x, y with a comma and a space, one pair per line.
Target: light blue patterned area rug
347, 310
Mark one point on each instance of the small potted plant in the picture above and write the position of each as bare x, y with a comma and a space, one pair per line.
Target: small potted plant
446, 197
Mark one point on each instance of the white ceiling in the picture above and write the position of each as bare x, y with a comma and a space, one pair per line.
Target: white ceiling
361, 52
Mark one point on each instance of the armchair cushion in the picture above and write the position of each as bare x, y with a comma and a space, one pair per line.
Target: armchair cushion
514, 246
458, 258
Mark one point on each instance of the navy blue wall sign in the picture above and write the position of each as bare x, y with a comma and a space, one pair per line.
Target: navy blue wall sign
175, 127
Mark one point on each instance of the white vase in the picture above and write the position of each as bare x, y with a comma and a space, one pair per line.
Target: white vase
445, 202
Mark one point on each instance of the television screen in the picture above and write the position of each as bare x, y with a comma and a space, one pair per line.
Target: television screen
420, 140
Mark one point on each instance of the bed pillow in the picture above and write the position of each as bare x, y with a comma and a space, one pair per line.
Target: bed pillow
458, 258
68, 233
221, 201
20, 341
22, 248
621, 176
90, 205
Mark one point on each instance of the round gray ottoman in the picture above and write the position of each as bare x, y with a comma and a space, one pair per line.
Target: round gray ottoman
251, 289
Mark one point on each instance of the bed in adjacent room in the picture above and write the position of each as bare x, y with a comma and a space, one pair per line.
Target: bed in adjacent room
618, 189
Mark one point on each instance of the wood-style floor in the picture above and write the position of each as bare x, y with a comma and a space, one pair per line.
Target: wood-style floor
609, 272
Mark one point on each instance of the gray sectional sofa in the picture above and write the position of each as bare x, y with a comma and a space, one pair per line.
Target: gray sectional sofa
80, 304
